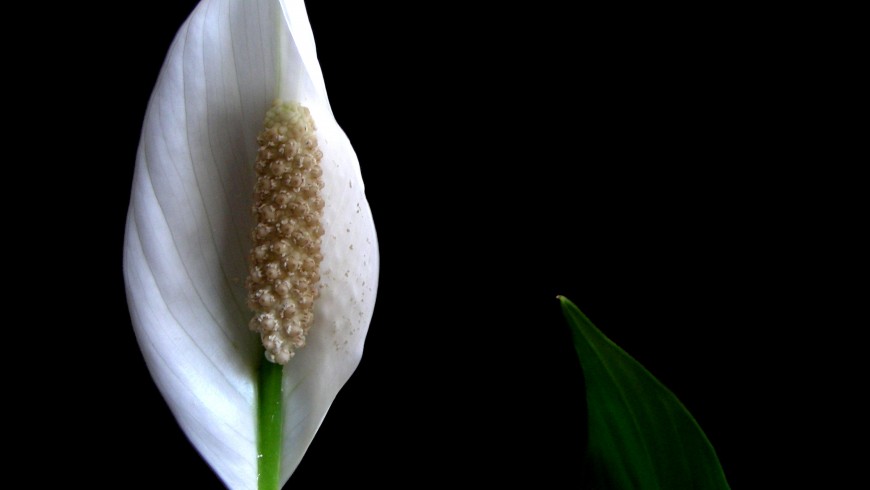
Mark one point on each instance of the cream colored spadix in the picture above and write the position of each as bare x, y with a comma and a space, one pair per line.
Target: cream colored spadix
284, 280
189, 233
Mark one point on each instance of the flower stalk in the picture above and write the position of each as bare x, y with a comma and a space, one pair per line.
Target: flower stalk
270, 418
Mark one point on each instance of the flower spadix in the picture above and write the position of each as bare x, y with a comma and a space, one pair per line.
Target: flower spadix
247, 214
285, 261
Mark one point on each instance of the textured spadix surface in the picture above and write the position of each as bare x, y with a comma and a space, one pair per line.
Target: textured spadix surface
189, 224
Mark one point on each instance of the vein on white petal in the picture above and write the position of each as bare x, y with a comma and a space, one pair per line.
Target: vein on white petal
188, 385
171, 203
178, 292
187, 236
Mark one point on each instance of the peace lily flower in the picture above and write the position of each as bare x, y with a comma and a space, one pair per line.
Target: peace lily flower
192, 241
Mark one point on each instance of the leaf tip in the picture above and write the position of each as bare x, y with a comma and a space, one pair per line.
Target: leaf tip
565, 302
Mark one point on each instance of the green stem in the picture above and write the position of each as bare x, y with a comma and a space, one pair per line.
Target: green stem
270, 418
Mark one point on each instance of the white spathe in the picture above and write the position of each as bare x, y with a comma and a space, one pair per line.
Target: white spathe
187, 238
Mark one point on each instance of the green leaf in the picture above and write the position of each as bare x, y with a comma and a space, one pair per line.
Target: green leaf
640, 436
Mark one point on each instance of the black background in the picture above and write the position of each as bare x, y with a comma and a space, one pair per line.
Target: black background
626, 159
